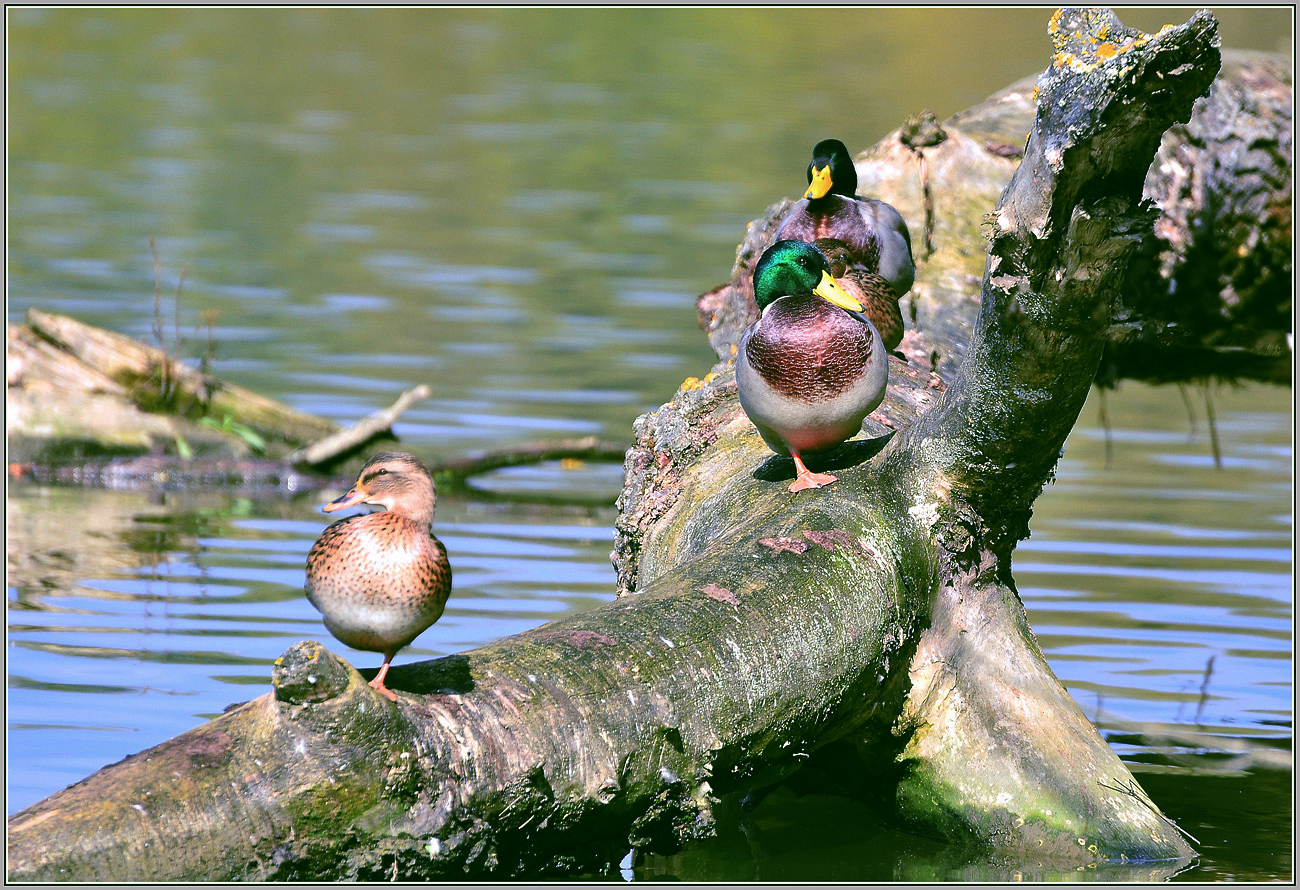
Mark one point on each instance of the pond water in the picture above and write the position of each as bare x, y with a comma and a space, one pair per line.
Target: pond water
519, 208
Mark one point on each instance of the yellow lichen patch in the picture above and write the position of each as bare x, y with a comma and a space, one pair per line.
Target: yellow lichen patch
1054, 23
689, 384
1096, 49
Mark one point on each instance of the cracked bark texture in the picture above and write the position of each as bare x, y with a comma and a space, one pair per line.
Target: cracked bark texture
870, 630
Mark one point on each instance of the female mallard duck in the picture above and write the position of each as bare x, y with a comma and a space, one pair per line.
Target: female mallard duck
873, 292
381, 579
812, 367
874, 233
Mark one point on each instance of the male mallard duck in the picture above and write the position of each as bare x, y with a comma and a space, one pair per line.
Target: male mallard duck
381, 579
868, 288
812, 367
874, 233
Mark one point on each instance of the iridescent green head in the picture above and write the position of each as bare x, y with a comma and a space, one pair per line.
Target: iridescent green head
797, 269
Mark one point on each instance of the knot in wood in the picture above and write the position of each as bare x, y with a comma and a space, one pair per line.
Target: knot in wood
308, 672
921, 130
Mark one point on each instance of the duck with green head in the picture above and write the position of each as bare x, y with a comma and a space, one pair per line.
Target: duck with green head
874, 233
812, 367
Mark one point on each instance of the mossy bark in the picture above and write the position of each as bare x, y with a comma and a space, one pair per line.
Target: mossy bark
871, 628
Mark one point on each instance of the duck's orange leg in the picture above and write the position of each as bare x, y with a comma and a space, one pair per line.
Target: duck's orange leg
377, 684
806, 478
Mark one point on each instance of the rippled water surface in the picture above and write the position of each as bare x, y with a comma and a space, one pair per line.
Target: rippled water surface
518, 208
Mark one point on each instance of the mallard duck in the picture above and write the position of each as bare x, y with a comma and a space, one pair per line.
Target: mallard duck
812, 367
873, 292
874, 233
381, 579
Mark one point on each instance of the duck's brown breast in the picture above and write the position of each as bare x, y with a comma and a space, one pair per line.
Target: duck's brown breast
379, 575
807, 349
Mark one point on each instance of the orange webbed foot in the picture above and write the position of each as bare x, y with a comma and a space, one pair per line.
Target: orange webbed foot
378, 685
806, 478
812, 480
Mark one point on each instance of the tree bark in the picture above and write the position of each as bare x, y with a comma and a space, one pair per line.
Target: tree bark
871, 629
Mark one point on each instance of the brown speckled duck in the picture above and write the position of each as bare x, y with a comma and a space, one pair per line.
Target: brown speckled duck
875, 234
879, 302
381, 579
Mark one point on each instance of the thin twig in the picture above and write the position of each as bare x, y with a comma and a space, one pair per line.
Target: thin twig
1135, 791
1105, 426
1205, 689
164, 367
1191, 410
333, 445
1214, 429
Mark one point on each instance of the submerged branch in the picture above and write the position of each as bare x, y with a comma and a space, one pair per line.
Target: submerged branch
453, 475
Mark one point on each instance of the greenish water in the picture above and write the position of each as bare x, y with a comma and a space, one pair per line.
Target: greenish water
518, 207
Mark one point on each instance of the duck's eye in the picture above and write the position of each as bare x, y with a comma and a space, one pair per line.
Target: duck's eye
381, 472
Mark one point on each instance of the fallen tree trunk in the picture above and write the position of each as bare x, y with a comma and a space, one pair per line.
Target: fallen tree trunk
871, 628
153, 380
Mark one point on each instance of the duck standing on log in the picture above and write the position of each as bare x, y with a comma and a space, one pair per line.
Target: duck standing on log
813, 366
872, 231
381, 579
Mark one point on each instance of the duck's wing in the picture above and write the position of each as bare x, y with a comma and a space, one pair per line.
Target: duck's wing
895, 241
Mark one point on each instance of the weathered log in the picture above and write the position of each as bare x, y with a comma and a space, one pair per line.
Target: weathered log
80, 393
70, 406
871, 627
61, 410
156, 383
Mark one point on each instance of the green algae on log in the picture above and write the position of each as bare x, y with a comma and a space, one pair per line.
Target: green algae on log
870, 629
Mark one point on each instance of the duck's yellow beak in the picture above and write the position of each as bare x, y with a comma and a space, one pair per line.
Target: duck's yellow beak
356, 495
821, 183
830, 291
